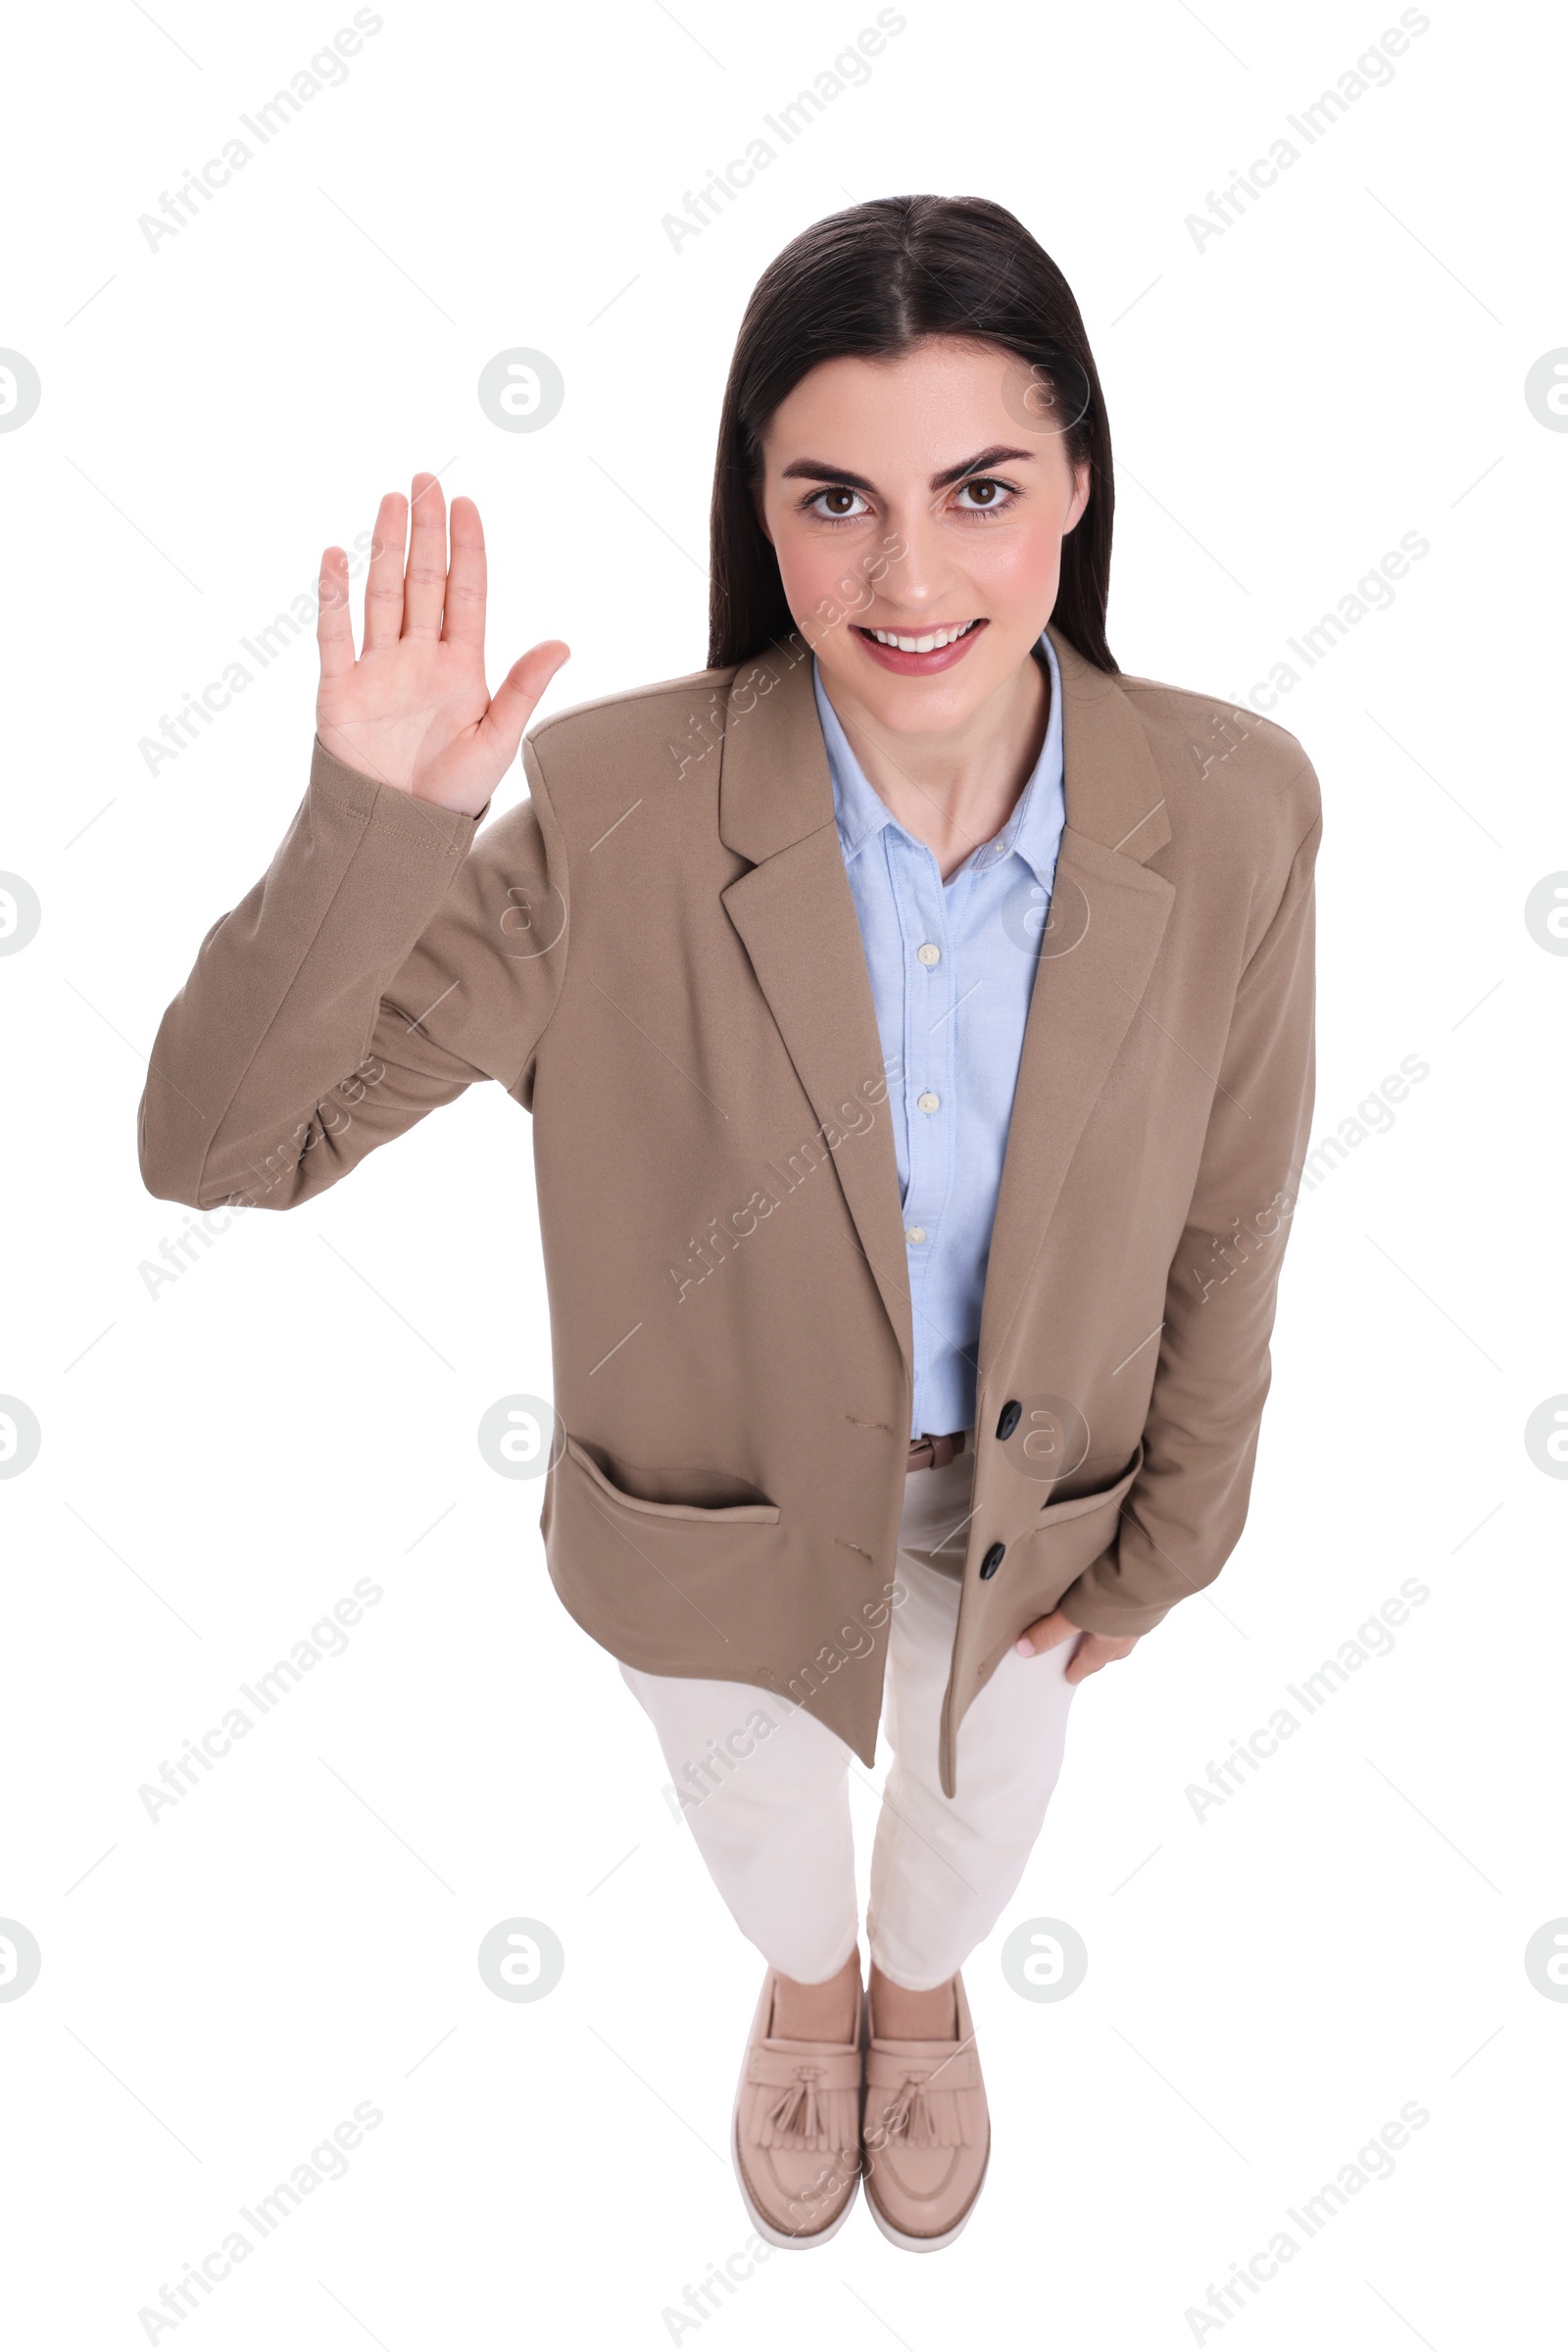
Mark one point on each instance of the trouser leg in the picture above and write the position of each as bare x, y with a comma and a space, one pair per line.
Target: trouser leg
944, 1869
764, 1785
764, 1789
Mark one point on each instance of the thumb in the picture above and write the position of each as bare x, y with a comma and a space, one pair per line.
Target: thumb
514, 701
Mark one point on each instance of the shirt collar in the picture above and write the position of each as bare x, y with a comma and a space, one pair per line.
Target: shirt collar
1032, 831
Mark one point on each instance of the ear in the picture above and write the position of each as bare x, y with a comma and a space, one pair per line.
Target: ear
1082, 482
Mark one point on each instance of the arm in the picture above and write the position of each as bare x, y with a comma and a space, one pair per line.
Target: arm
1185, 1513
385, 959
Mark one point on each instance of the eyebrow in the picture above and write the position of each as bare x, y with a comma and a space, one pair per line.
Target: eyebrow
810, 469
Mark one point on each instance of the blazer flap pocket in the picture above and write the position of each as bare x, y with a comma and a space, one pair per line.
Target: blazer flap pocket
756, 1514
1100, 1499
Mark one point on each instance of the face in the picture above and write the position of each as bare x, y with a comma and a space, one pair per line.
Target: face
920, 498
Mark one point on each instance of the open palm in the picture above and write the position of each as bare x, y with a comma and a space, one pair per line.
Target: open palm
413, 710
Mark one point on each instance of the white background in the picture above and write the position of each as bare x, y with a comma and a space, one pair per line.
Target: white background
222, 1459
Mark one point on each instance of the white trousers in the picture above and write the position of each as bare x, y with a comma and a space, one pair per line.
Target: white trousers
767, 1796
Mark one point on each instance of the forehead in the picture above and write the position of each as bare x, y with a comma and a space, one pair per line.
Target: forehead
941, 370
935, 403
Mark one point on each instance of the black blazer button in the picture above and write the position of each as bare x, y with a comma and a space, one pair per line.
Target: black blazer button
993, 1560
1011, 1415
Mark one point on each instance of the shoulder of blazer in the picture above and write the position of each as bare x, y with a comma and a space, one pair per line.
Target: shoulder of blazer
635, 717
1194, 735
588, 765
1239, 787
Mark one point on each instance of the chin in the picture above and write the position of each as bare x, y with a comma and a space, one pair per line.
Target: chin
926, 706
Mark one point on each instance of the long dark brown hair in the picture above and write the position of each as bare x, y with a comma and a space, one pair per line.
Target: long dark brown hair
870, 283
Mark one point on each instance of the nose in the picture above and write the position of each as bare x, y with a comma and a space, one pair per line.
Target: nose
916, 576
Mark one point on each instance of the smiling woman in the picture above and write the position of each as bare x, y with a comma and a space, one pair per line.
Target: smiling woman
979, 560
909, 924
875, 285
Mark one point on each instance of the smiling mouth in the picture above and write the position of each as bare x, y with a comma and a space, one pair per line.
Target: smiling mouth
929, 640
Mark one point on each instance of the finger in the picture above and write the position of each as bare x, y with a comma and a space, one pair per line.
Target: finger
1098, 1649
383, 583
425, 582
464, 622
334, 623
512, 704
1044, 1634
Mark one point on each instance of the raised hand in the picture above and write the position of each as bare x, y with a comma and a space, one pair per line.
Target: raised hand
414, 710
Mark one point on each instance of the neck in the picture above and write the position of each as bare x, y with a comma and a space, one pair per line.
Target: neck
958, 789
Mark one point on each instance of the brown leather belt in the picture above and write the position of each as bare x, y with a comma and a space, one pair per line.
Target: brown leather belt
934, 1453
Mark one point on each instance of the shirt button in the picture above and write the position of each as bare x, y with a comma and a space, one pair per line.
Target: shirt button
929, 1102
929, 953
915, 1233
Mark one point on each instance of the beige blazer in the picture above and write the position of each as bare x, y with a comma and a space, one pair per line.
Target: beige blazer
657, 954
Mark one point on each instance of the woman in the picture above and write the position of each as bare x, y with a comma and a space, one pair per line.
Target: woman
916, 1016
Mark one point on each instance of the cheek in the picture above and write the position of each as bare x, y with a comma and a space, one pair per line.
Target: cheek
1018, 567
1011, 575
815, 568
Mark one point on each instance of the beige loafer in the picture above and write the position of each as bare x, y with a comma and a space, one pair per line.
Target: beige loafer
926, 2137
796, 2133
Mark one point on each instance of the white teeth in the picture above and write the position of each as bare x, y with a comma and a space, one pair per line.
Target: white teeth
922, 645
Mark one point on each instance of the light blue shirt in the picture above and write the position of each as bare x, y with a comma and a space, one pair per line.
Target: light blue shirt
952, 1026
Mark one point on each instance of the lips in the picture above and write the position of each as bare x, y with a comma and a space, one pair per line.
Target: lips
926, 664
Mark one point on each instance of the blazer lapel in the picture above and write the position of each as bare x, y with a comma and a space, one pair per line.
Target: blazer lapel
795, 913
1107, 917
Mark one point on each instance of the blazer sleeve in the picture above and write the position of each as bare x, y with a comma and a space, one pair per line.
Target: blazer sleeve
1185, 1509
390, 956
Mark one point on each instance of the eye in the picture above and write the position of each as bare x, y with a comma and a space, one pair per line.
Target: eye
990, 495
844, 505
